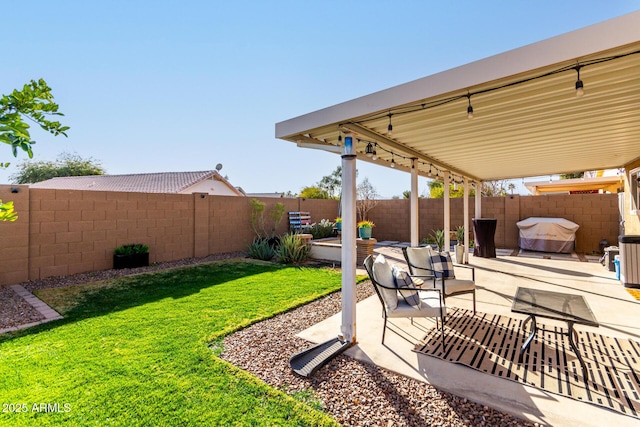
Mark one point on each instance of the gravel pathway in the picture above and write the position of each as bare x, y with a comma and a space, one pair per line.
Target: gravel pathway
352, 392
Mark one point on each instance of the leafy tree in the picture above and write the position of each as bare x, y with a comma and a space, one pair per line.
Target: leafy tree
314, 193
406, 194
35, 103
6, 212
436, 190
65, 165
571, 175
332, 183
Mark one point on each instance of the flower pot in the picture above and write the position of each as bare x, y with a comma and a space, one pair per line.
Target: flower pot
365, 232
131, 261
459, 254
339, 226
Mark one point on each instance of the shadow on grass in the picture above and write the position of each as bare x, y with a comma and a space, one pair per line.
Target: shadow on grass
131, 291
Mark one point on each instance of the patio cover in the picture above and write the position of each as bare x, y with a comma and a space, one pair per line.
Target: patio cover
527, 121
527, 118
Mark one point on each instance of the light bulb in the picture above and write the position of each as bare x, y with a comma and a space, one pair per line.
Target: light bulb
579, 89
470, 112
369, 150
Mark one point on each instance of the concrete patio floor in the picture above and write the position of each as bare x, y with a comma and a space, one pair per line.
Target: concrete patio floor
496, 281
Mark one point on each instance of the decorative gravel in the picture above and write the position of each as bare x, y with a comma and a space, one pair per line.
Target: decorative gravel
15, 310
352, 392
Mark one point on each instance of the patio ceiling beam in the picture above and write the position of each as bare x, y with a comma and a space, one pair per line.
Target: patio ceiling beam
368, 133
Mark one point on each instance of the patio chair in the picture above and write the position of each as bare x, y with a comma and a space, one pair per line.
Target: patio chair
420, 262
406, 301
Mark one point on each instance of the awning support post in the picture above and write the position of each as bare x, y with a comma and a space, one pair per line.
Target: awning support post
467, 187
348, 255
415, 210
447, 211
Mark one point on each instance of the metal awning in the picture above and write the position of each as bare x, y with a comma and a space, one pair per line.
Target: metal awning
527, 121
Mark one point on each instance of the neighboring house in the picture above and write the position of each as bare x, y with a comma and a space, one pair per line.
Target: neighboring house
210, 182
607, 181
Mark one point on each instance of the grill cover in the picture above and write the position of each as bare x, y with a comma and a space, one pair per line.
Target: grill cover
547, 235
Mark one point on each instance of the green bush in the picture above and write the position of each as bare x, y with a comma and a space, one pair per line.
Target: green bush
135, 248
322, 229
292, 250
261, 249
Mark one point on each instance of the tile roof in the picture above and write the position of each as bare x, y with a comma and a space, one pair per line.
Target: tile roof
161, 182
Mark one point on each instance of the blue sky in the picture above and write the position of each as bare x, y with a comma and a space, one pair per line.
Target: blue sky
183, 85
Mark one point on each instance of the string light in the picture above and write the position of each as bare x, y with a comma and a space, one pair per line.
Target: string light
375, 153
579, 84
369, 151
390, 127
443, 101
393, 162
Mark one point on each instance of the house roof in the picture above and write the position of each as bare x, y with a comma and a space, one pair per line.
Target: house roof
160, 182
527, 118
611, 184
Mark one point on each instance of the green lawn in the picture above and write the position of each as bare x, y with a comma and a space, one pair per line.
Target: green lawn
134, 351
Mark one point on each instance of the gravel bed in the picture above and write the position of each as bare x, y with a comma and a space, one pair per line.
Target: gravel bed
15, 310
94, 276
352, 392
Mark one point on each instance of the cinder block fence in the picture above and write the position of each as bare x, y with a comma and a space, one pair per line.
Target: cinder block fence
62, 232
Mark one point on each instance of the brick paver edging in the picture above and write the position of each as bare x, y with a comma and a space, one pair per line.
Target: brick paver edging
48, 313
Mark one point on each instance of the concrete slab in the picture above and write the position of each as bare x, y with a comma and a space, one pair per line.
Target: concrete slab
497, 280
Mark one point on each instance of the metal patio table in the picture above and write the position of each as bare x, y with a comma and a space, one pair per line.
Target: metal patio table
570, 308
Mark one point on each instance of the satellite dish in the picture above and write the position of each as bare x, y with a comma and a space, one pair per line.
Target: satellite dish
218, 167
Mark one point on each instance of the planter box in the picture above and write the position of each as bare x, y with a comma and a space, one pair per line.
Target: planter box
130, 261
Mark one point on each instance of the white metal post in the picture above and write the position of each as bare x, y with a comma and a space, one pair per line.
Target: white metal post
466, 219
348, 256
447, 212
478, 199
415, 212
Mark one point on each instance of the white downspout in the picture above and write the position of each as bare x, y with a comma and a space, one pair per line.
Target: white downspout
348, 255
415, 211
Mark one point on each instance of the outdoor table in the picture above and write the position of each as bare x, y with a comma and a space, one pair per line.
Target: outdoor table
570, 308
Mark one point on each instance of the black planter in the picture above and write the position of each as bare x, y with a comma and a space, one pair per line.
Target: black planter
130, 261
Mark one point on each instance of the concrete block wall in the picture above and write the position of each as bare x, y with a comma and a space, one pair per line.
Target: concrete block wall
62, 232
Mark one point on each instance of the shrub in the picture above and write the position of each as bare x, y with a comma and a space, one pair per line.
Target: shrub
134, 248
322, 229
292, 250
261, 249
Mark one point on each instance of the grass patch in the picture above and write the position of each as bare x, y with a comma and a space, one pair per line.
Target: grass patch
134, 351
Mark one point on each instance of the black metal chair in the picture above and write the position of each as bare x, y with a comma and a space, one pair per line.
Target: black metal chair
419, 263
431, 303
